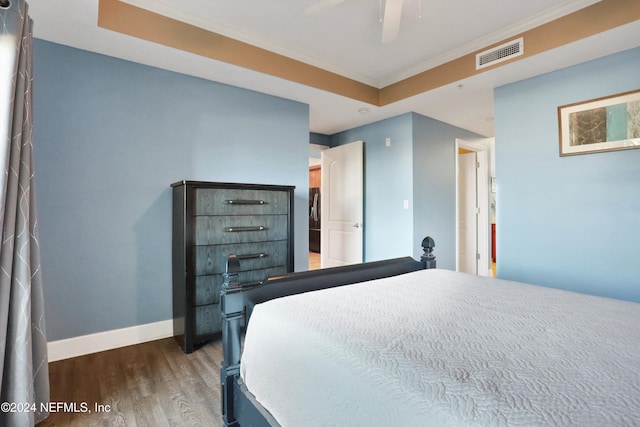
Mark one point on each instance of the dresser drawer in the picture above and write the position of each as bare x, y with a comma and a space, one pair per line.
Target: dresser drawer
253, 256
208, 287
218, 230
228, 201
208, 319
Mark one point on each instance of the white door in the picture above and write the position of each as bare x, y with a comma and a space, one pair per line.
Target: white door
467, 214
473, 208
342, 205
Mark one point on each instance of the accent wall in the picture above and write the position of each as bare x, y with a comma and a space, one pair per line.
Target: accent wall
110, 137
566, 222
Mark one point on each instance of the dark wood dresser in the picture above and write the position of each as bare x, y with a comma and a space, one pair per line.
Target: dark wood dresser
210, 221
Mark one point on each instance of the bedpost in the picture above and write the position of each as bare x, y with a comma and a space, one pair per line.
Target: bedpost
428, 258
232, 306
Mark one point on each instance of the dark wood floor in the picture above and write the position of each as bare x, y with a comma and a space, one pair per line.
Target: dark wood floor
151, 384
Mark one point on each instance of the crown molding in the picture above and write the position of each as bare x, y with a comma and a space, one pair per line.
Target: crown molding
488, 41
181, 14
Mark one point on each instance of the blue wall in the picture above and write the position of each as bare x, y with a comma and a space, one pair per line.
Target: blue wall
388, 181
110, 137
319, 139
566, 222
419, 166
434, 186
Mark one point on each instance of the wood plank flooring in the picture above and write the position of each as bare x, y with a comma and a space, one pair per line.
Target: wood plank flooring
314, 260
151, 384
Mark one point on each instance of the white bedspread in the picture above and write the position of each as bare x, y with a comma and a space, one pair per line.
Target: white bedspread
441, 348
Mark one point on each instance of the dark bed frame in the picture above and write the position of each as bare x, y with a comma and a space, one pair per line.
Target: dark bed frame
239, 407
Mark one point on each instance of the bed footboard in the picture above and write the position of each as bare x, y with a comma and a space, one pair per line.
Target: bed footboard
237, 302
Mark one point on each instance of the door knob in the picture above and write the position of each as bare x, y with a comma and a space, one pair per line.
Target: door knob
357, 225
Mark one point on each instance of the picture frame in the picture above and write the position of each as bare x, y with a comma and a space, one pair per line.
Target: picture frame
603, 124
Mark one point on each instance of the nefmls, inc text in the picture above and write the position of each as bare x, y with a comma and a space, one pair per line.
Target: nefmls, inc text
81, 407
53, 407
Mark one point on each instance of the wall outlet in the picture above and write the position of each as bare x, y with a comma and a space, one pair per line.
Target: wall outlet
405, 204
387, 142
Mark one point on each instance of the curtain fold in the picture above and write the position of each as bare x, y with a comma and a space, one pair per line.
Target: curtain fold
24, 373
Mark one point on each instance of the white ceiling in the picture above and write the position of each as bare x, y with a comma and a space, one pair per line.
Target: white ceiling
345, 39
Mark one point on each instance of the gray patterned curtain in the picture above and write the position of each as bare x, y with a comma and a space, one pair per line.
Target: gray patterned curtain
24, 373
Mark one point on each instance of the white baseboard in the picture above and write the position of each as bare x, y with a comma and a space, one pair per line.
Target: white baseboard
93, 343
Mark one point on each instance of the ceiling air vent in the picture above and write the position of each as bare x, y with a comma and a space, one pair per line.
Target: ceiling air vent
500, 53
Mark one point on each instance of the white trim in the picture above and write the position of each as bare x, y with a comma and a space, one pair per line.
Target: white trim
179, 11
182, 13
108, 340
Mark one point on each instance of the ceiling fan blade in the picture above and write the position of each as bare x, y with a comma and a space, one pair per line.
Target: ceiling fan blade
391, 20
320, 6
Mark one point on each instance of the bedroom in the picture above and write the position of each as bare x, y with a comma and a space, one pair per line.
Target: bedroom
121, 132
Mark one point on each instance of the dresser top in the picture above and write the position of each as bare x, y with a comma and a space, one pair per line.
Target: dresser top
209, 184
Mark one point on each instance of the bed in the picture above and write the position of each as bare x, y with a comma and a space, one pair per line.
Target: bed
399, 342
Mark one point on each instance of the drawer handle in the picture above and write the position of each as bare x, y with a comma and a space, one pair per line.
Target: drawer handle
246, 202
252, 284
252, 256
239, 229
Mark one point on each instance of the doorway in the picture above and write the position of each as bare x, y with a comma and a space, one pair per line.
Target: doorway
342, 205
472, 208
340, 208
315, 181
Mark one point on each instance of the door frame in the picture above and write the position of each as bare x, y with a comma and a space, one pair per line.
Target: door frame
482, 189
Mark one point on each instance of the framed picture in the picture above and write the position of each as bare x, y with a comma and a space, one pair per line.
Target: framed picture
603, 124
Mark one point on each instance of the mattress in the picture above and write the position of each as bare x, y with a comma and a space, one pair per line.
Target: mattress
441, 348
